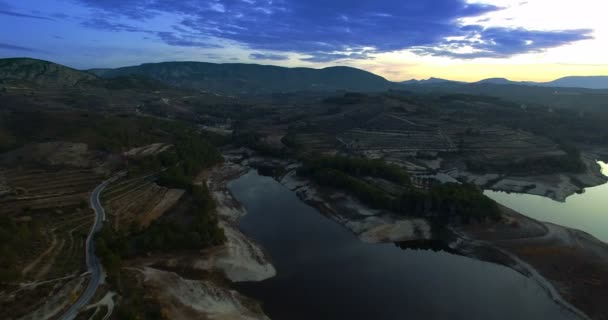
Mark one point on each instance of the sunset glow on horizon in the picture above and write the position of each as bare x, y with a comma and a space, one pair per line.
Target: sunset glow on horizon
535, 40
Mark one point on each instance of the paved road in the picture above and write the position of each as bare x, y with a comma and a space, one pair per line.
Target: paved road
93, 265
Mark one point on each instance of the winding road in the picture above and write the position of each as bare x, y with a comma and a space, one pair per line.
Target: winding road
93, 265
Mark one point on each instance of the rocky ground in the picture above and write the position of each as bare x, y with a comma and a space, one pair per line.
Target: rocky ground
556, 186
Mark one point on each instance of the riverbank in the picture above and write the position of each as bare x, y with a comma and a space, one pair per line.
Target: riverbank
569, 264
326, 271
572, 262
201, 284
555, 186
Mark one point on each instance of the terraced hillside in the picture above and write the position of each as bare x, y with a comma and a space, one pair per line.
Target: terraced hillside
134, 203
45, 220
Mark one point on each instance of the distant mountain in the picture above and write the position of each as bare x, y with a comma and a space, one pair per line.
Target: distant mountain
253, 78
433, 81
41, 73
592, 82
505, 81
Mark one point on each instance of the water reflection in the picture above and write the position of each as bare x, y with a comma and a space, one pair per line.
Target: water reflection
325, 272
585, 211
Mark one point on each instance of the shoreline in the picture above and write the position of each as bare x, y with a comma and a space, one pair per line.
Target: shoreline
504, 245
471, 243
557, 186
199, 284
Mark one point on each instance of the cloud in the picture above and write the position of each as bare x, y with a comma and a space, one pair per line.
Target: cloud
328, 57
268, 56
186, 40
23, 15
180, 38
17, 48
339, 29
103, 24
503, 42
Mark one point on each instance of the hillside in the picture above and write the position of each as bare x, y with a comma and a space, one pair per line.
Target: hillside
580, 99
594, 82
430, 81
41, 73
252, 78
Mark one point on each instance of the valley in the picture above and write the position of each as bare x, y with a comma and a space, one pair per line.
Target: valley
193, 229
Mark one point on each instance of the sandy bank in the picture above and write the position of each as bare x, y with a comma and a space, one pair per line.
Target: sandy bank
198, 299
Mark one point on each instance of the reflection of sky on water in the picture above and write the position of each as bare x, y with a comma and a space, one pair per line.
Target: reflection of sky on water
587, 211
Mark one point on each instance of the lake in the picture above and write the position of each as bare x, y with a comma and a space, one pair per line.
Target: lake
326, 272
587, 211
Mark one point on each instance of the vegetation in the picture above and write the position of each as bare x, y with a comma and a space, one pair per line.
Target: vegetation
112, 133
358, 167
346, 99
254, 142
13, 239
195, 229
443, 201
571, 162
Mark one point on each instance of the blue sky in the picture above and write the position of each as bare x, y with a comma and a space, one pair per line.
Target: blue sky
398, 39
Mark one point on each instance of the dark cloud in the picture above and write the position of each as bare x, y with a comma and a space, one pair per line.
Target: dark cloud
504, 42
328, 57
60, 15
325, 29
23, 15
181, 38
17, 48
103, 24
268, 56
186, 40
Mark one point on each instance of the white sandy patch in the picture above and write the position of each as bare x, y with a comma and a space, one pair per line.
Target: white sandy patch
239, 258
292, 182
432, 164
242, 259
107, 301
151, 149
57, 302
181, 298
483, 179
359, 208
226, 207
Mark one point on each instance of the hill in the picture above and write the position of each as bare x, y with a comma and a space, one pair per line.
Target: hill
498, 81
430, 81
575, 98
41, 73
253, 78
593, 82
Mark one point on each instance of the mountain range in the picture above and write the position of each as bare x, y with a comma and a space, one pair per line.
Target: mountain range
40, 72
238, 78
586, 82
253, 78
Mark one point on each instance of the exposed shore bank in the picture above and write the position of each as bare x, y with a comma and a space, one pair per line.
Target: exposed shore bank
569, 264
555, 186
199, 284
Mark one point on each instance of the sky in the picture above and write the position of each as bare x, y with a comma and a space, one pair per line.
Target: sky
467, 40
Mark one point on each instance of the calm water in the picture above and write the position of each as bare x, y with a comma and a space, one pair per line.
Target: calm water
587, 211
325, 272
